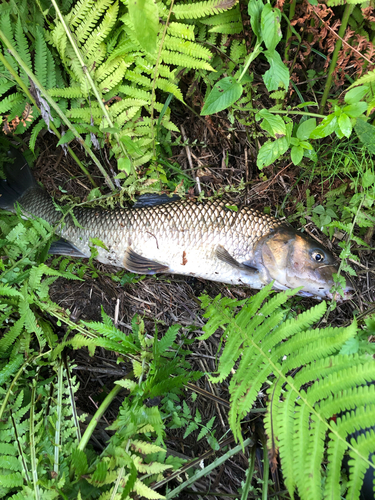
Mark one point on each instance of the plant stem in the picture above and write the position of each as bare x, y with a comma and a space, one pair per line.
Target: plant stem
53, 104
208, 469
344, 22
91, 82
292, 10
98, 415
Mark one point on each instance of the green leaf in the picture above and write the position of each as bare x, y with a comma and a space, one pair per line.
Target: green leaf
79, 462
224, 94
272, 123
366, 134
271, 151
354, 110
67, 137
345, 124
145, 19
124, 164
254, 9
297, 154
97, 242
305, 129
356, 94
326, 128
270, 23
368, 179
278, 74
131, 146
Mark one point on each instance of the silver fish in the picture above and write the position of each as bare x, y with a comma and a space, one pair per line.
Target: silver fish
161, 235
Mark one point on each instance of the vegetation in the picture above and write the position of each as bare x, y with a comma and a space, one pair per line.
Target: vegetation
85, 71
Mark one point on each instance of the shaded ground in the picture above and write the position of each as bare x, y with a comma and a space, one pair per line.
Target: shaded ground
220, 157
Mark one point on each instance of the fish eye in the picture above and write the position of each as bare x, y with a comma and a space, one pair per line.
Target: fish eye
318, 256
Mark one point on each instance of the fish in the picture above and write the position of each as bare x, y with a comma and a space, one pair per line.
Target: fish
205, 239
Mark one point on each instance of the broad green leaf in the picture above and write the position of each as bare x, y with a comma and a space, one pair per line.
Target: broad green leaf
356, 94
326, 128
368, 179
296, 154
271, 151
366, 134
345, 124
305, 129
124, 164
224, 94
145, 19
278, 74
270, 23
272, 123
354, 110
254, 9
310, 154
320, 210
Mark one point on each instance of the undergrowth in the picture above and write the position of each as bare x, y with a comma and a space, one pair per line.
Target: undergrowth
85, 71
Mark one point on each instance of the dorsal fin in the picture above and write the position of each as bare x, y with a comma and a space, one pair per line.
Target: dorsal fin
154, 199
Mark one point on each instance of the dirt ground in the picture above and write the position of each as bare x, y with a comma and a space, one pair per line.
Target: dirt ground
221, 156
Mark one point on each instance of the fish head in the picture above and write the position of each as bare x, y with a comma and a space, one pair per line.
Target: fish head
293, 260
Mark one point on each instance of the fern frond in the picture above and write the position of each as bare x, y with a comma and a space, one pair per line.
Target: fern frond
184, 60
5, 85
127, 115
226, 17
137, 78
100, 33
10, 102
41, 58
67, 92
87, 24
201, 9
80, 11
181, 30
227, 29
22, 49
170, 88
51, 71
114, 78
186, 47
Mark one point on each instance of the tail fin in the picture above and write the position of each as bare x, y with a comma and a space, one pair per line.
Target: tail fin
18, 180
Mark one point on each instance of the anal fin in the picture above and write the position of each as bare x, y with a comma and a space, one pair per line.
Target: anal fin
63, 247
135, 263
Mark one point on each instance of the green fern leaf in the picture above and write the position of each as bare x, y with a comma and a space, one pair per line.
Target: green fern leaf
23, 50
67, 93
181, 30
226, 17
139, 79
227, 29
169, 88
135, 92
186, 47
10, 102
91, 18
7, 28
40, 58
179, 59
201, 9
100, 33
51, 70
5, 85
81, 9
112, 80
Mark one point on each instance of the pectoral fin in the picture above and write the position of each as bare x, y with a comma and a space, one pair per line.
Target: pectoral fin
223, 255
63, 247
135, 263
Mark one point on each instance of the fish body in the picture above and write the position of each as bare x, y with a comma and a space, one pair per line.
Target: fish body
206, 239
